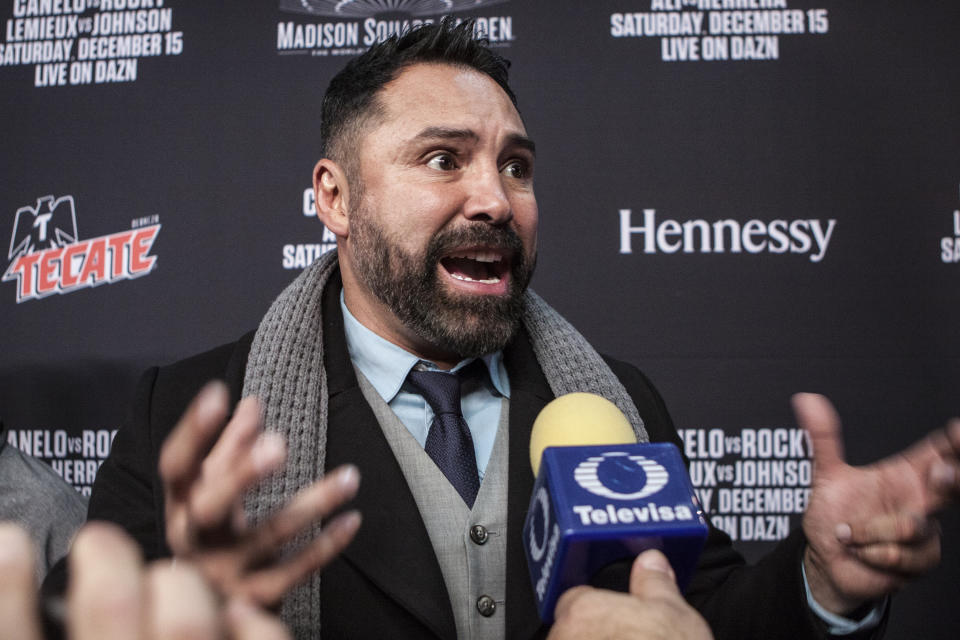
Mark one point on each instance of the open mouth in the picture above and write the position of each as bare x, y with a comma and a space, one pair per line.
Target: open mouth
483, 266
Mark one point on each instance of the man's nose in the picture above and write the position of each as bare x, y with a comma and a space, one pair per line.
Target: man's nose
487, 199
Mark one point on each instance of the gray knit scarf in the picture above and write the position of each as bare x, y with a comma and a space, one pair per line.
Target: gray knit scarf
285, 370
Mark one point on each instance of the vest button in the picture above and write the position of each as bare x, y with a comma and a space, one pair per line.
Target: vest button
486, 606
478, 533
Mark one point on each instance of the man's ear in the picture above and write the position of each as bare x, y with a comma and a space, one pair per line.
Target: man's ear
331, 195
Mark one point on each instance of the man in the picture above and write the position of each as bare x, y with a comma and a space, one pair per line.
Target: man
427, 182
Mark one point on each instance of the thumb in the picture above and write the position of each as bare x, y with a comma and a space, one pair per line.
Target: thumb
105, 595
652, 577
820, 420
18, 589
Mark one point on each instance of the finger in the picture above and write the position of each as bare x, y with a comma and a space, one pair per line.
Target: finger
906, 560
309, 505
18, 588
185, 448
952, 433
937, 459
944, 473
237, 436
941, 444
236, 462
652, 577
569, 598
946, 442
248, 622
945, 478
815, 414
105, 593
180, 604
268, 585
887, 528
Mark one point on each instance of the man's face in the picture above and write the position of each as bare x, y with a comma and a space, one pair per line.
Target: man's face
442, 236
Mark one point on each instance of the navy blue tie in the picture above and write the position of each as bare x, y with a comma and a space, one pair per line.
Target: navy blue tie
449, 443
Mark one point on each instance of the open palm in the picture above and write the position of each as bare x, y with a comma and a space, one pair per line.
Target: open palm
870, 529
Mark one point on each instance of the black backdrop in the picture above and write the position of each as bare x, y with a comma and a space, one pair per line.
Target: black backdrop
202, 118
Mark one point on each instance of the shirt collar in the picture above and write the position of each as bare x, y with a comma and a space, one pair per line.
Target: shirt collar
386, 365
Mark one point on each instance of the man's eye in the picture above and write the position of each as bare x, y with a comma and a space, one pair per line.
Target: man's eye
517, 169
442, 162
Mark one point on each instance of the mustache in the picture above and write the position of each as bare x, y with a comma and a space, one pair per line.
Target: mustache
478, 234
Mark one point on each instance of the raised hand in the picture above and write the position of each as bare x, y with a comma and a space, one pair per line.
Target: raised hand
113, 596
206, 468
653, 610
871, 529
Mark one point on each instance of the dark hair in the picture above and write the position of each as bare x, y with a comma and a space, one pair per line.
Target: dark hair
351, 98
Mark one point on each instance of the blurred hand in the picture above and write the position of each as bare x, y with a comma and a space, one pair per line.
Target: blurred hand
19, 619
653, 610
112, 596
871, 529
206, 468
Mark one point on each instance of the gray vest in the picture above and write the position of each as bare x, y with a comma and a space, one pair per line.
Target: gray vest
470, 545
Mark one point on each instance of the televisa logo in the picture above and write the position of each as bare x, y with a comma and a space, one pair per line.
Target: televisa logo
543, 539
617, 475
594, 504
621, 476
803, 236
46, 256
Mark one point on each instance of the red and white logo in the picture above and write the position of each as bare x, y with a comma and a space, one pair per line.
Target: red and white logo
46, 256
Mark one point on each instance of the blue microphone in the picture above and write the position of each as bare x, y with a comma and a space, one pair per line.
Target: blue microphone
601, 497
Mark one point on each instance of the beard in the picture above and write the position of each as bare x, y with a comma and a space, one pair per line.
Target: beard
409, 284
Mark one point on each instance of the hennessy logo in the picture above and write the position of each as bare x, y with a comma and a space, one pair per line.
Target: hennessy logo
699, 236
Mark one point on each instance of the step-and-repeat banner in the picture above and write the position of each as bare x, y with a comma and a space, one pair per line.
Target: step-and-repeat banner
745, 198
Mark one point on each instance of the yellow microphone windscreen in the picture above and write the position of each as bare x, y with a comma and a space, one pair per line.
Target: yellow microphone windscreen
578, 419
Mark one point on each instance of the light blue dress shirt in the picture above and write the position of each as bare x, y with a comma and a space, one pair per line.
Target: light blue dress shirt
386, 366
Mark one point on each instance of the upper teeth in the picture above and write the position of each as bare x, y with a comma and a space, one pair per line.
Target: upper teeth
479, 256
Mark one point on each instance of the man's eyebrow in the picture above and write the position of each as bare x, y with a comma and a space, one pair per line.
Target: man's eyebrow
522, 141
446, 133
449, 133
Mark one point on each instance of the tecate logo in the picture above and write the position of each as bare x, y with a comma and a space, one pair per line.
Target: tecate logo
47, 257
